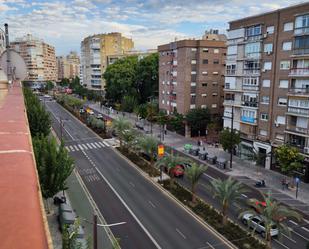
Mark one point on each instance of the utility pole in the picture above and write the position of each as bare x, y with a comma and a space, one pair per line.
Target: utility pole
95, 231
232, 137
61, 126
8, 56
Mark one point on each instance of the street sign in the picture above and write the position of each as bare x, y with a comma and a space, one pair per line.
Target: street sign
161, 150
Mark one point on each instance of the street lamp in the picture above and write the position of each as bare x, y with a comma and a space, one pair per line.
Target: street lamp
232, 136
61, 122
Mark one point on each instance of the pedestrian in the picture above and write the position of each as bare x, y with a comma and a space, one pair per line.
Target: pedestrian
198, 143
283, 182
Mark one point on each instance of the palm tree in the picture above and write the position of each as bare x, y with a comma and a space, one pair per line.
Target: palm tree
194, 174
149, 146
170, 161
152, 110
272, 213
121, 125
227, 191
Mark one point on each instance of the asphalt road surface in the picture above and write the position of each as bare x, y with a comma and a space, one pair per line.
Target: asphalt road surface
153, 220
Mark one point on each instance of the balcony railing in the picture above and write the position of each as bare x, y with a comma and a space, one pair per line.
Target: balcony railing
299, 111
253, 38
249, 71
249, 103
299, 91
299, 72
248, 119
301, 31
230, 72
250, 87
298, 129
231, 102
301, 51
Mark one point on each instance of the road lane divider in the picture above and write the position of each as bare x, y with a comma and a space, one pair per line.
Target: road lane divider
180, 233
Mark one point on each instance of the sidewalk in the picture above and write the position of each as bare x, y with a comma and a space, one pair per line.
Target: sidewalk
245, 171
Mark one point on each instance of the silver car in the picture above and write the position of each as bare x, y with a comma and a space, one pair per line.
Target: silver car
256, 222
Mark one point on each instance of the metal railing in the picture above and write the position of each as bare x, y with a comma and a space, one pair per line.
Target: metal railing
299, 72
302, 91
301, 31
297, 129
300, 111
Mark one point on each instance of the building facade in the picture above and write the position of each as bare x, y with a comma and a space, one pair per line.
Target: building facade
140, 54
267, 81
191, 75
68, 66
39, 56
2, 41
94, 56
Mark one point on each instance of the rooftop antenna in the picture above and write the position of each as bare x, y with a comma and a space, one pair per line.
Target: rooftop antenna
8, 57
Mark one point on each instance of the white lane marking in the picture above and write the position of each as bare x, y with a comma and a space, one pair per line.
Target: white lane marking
106, 144
71, 148
132, 184
181, 234
300, 235
288, 238
97, 144
281, 244
293, 222
76, 148
85, 146
130, 211
244, 195
236, 205
209, 176
67, 148
101, 144
80, 147
306, 220
210, 245
93, 145
306, 229
89, 146
153, 205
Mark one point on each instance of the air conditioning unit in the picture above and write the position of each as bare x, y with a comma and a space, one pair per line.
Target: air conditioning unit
264, 70
277, 124
265, 35
306, 150
269, 52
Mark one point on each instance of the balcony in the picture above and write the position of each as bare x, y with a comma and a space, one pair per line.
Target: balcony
299, 91
301, 51
298, 111
296, 129
301, 31
299, 72
252, 71
231, 72
253, 38
232, 102
249, 120
249, 103
250, 87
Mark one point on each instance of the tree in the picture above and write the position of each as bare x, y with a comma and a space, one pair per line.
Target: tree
53, 163
227, 191
170, 161
147, 72
120, 125
152, 111
120, 79
49, 86
288, 158
273, 214
228, 139
129, 138
39, 119
142, 111
128, 103
198, 119
149, 146
194, 174
70, 235
64, 82
176, 121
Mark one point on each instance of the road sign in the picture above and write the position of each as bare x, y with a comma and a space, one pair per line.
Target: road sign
161, 150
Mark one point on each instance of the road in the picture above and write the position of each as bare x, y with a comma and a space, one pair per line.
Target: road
153, 220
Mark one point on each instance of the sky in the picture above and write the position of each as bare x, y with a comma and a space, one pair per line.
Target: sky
64, 23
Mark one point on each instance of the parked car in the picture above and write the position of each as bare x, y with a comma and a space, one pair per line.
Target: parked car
99, 116
256, 222
91, 112
177, 171
66, 215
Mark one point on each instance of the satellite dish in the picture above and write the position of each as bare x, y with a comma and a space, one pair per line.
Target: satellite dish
18, 65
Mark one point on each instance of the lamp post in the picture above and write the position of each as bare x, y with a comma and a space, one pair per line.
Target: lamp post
232, 136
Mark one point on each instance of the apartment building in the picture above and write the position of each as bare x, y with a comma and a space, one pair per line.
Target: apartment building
140, 54
267, 80
191, 74
39, 57
94, 56
2, 41
68, 66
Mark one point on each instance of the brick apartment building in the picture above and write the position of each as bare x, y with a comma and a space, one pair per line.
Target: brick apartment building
267, 80
191, 74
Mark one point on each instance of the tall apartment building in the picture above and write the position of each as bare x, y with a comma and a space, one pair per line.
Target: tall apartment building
68, 66
191, 75
39, 57
140, 54
267, 80
94, 56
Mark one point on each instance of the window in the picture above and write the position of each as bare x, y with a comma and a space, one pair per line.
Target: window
193, 61
252, 81
253, 30
282, 101
204, 73
215, 73
288, 26
205, 61
162, 101
216, 51
231, 50
204, 84
268, 47
205, 50
284, 65
279, 136
230, 69
193, 95
266, 83
163, 92
286, 46
192, 106
264, 116
265, 100
204, 95
214, 83
252, 49
214, 106
193, 72
283, 83
216, 61
203, 106
301, 22
270, 29
263, 133
193, 83
267, 65
280, 119
301, 43
214, 94
193, 49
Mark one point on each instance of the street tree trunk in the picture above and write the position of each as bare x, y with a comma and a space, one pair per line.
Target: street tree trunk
224, 210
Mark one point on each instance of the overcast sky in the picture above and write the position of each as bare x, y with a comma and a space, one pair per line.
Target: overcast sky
65, 23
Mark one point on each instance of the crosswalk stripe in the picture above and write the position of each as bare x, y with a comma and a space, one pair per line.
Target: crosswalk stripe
89, 146
101, 144
67, 148
80, 147
85, 146
76, 148
94, 146
106, 144
71, 148
97, 144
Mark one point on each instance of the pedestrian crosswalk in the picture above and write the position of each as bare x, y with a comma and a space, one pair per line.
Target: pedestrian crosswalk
87, 146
